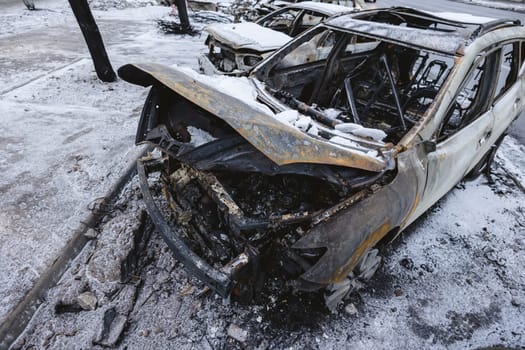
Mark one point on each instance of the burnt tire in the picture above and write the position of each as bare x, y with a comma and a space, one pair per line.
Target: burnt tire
356, 280
483, 166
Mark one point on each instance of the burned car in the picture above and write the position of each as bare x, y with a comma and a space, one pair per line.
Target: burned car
333, 144
234, 48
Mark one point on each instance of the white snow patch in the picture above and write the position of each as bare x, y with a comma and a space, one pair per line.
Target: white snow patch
332, 113
313, 130
374, 134
200, 137
345, 142
361, 131
303, 123
347, 127
142, 13
461, 17
238, 87
120, 4
430, 39
289, 116
248, 35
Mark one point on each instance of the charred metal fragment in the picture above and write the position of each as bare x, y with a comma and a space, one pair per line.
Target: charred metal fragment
305, 108
218, 243
394, 92
351, 100
214, 278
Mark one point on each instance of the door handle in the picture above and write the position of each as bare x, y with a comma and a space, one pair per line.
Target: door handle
517, 102
484, 138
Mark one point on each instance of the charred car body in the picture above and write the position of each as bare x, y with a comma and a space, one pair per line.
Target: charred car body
338, 140
236, 47
273, 5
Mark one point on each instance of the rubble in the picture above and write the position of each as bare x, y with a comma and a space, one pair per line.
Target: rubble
91, 233
116, 256
237, 333
350, 309
407, 263
111, 328
87, 301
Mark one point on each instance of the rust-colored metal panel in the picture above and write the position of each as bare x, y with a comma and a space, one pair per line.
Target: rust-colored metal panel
279, 141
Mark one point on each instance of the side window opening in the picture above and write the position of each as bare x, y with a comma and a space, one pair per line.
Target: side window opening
474, 97
282, 22
307, 19
316, 49
508, 68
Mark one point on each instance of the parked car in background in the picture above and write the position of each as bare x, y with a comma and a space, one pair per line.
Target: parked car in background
234, 48
266, 7
269, 6
336, 142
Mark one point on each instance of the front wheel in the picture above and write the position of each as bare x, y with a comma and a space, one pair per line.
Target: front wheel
363, 272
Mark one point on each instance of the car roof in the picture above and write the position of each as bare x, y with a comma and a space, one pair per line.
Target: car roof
321, 7
444, 32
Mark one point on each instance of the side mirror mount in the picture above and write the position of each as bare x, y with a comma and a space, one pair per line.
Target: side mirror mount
429, 146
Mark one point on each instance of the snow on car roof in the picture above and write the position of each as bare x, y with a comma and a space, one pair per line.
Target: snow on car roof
461, 17
324, 8
248, 35
445, 42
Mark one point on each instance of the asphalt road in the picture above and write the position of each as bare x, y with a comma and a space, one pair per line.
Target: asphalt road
453, 6
518, 128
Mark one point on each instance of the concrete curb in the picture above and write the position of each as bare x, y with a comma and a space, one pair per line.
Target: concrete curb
17, 321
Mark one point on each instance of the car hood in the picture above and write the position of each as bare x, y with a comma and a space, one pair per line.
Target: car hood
247, 35
234, 100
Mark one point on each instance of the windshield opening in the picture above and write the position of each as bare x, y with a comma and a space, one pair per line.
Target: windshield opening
343, 78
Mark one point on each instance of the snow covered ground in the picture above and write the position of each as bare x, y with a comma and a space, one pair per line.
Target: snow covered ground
66, 137
453, 280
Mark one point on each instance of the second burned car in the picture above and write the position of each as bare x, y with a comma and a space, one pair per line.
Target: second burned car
235, 48
338, 140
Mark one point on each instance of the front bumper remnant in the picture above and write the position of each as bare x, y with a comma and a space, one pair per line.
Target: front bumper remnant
221, 280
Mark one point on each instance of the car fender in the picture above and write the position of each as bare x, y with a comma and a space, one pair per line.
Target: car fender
351, 232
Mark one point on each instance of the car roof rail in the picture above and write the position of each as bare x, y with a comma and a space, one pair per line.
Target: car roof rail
493, 25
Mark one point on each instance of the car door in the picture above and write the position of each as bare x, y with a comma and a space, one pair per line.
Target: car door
466, 129
508, 99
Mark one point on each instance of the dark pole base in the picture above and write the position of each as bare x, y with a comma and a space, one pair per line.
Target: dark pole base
183, 15
89, 29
